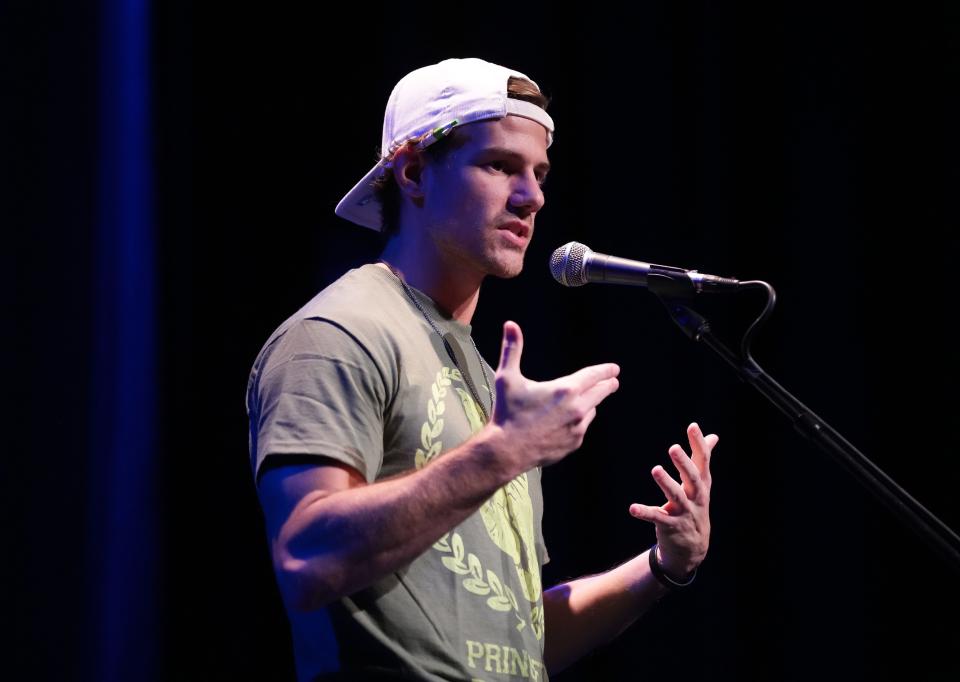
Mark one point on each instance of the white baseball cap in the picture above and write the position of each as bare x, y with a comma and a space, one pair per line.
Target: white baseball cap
428, 103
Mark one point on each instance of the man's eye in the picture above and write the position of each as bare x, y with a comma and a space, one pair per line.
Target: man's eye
496, 165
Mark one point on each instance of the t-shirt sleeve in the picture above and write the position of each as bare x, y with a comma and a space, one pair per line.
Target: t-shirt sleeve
321, 393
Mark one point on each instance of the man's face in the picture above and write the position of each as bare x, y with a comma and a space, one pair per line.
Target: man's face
480, 201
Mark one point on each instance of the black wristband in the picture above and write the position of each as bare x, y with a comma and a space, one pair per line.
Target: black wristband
662, 577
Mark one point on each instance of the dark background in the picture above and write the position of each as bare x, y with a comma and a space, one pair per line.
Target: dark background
811, 145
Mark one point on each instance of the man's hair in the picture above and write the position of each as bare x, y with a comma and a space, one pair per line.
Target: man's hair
385, 187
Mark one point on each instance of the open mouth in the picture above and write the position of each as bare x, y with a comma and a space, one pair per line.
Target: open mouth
518, 229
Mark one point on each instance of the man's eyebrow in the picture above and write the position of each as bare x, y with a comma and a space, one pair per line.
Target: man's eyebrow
503, 151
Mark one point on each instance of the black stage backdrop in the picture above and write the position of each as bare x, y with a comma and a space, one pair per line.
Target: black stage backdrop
811, 145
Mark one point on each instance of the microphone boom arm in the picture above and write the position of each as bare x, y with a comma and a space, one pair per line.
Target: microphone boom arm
905, 507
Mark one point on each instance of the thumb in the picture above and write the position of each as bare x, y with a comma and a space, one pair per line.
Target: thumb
512, 347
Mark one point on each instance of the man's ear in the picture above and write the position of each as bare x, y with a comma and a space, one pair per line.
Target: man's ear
408, 165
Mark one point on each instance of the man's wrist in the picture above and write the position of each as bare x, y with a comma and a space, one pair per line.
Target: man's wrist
666, 576
492, 446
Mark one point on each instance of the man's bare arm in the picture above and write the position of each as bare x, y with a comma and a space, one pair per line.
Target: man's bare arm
585, 613
582, 614
342, 535
332, 535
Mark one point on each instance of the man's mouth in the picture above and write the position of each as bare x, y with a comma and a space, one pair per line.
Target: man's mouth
518, 228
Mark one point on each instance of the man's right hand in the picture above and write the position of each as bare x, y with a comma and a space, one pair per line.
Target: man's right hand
542, 422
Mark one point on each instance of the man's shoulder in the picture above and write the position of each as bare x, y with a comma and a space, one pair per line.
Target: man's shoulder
357, 310
363, 302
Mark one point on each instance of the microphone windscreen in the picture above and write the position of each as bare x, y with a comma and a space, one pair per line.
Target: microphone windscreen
566, 264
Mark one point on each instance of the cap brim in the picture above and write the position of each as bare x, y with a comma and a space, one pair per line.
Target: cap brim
360, 205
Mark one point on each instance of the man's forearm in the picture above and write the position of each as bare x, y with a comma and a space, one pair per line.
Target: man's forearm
583, 614
336, 544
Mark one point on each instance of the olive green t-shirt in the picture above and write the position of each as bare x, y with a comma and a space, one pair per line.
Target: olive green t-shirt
360, 376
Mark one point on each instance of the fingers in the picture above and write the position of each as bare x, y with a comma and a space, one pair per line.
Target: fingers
702, 447
511, 348
694, 485
648, 513
594, 395
673, 490
667, 513
586, 403
587, 377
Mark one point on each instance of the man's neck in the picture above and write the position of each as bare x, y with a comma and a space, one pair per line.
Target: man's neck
455, 292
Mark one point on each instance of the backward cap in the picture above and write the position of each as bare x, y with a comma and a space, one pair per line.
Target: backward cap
461, 90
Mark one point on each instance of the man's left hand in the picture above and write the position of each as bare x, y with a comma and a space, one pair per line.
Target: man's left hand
683, 522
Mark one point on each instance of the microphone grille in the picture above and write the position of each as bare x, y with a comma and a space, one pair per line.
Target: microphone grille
566, 264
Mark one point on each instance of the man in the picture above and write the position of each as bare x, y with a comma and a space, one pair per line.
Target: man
398, 473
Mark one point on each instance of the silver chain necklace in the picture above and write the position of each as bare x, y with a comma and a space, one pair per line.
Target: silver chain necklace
446, 344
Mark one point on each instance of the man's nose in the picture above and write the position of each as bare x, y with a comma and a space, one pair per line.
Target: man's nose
527, 193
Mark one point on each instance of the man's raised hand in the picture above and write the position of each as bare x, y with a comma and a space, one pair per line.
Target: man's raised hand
683, 521
543, 421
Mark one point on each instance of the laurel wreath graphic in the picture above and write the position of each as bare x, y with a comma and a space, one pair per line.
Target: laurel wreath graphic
484, 583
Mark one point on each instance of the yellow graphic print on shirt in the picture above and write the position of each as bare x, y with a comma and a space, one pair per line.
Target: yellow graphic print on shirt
507, 516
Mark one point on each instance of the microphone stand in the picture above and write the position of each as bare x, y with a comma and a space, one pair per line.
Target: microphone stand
675, 291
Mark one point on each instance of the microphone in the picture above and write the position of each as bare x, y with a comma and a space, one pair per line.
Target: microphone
574, 265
